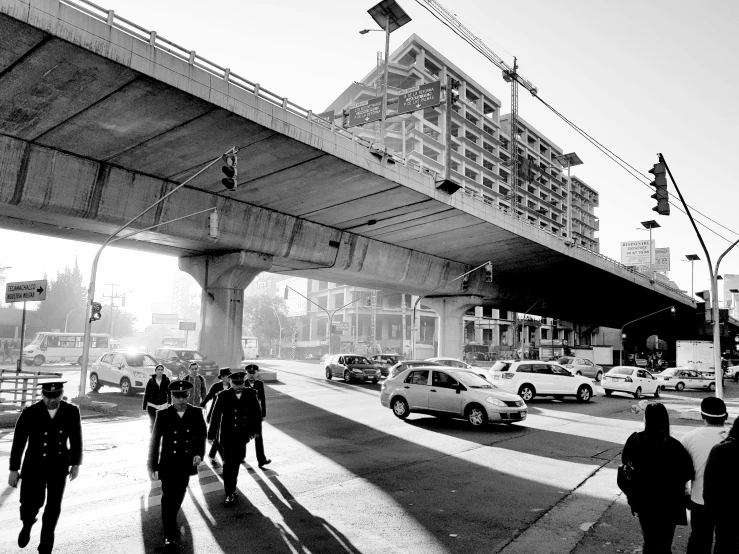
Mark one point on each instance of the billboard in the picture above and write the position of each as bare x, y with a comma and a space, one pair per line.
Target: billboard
365, 112
637, 252
661, 261
419, 97
731, 282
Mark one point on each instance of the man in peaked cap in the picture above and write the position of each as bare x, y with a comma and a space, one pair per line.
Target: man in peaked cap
224, 382
258, 386
176, 448
50, 432
237, 418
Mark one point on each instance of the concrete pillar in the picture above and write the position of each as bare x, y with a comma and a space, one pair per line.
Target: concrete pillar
223, 278
451, 310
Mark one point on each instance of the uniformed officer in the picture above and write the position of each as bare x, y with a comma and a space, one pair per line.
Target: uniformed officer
176, 449
258, 386
237, 418
50, 432
224, 376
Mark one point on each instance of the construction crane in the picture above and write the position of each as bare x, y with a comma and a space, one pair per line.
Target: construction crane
510, 75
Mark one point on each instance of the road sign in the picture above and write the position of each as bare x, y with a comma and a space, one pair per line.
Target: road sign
165, 319
187, 325
418, 98
26, 291
365, 112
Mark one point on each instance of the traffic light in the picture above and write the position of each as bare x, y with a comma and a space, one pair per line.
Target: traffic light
230, 171
95, 315
465, 282
213, 230
368, 300
489, 272
454, 91
661, 195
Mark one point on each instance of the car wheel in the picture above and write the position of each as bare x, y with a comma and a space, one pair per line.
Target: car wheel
527, 392
126, 388
608, 392
328, 373
559, 396
38, 360
656, 392
400, 407
584, 394
637, 392
347, 376
599, 376
476, 415
94, 383
680, 386
374, 381
712, 387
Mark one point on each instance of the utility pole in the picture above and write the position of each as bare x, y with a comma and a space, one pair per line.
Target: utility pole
112, 304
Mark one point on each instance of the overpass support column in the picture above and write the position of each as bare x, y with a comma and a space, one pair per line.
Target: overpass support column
451, 310
223, 278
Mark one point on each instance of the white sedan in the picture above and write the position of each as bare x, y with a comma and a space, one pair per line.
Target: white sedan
681, 378
631, 380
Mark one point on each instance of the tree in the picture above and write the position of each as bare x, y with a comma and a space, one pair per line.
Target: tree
123, 322
65, 296
261, 314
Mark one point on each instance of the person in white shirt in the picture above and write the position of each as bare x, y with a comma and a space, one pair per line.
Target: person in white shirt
699, 443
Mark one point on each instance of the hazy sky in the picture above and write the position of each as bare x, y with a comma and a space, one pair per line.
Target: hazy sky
639, 76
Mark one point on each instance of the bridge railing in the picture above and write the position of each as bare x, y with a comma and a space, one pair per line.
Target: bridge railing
191, 57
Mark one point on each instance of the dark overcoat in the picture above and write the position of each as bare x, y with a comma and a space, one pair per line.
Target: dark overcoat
235, 419
176, 440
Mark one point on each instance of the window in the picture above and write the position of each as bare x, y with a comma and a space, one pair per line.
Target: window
418, 377
489, 147
431, 68
454, 166
525, 368
488, 164
471, 96
487, 182
504, 191
431, 115
470, 155
455, 130
443, 380
471, 118
471, 136
504, 205
489, 130
543, 369
470, 174
488, 110
430, 153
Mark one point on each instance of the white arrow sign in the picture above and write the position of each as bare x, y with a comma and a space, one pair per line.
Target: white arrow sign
26, 291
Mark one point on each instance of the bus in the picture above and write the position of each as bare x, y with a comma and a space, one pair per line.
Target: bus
63, 347
249, 348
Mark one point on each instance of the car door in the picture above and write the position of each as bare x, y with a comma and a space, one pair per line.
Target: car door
104, 368
543, 379
643, 379
563, 381
337, 366
587, 367
443, 394
116, 368
417, 389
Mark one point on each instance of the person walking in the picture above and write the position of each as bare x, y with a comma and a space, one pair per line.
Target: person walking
50, 432
198, 391
699, 443
223, 383
176, 448
6, 352
156, 395
236, 419
659, 498
720, 491
258, 386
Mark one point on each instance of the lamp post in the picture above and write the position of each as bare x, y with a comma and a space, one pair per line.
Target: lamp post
389, 16
651, 225
279, 344
692, 258
66, 319
569, 160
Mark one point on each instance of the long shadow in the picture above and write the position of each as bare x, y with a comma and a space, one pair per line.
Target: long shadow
152, 532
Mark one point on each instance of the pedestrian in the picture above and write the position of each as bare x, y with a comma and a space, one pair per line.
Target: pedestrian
6, 352
236, 420
176, 448
720, 491
659, 497
157, 395
50, 432
258, 386
197, 393
699, 443
224, 382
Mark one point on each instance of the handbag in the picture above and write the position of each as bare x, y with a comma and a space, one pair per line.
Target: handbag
626, 479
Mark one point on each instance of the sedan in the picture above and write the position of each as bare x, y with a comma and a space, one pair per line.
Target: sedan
351, 367
444, 391
386, 361
581, 366
451, 362
405, 364
680, 378
631, 380
128, 370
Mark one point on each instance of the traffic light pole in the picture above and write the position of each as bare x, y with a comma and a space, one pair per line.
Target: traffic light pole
623, 335
113, 238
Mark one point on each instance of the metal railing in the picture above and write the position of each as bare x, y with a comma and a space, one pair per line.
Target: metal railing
23, 385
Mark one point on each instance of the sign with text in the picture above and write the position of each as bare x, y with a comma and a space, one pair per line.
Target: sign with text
637, 252
365, 112
25, 291
165, 319
661, 261
187, 325
418, 98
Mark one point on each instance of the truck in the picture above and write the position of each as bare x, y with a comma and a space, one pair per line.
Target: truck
696, 354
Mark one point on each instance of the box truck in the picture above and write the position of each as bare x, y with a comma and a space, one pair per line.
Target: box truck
696, 354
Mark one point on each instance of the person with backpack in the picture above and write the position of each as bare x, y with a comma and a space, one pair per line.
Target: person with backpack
720, 491
657, 498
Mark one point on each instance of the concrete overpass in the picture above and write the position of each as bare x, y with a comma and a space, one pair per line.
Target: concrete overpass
99, 117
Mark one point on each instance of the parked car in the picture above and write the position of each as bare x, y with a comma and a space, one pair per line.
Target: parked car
405, 364
679, 378
351, 367
529, 378
630, 379
177, 360
443, 391
128, 370
386, 361
313, 357
451, 362
581, 366
732, 372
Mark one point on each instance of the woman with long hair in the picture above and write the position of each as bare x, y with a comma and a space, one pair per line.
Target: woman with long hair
156, 395
662, 467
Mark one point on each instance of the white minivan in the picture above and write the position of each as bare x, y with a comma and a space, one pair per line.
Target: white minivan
49, 347
530, 378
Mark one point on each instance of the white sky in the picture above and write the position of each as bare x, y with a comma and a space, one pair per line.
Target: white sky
640, 77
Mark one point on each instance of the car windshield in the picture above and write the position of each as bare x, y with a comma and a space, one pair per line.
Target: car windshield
669, 372
471, 380
565, 360
356, 360
190, 355
134, 359
501, 366
622, 371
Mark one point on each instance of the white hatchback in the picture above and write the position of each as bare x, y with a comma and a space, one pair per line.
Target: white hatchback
632, 380
529, 378
128, 370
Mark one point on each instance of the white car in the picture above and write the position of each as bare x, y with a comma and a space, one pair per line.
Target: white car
529, 378
681, 378
128, 370
443, 391
632, 380
451, 362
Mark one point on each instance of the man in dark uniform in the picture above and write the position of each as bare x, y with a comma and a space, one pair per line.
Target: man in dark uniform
224, 376
237, 418
50, 431
258, 386
176, 449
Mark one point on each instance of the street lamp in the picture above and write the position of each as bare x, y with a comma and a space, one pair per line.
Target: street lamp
389, 16
651, 225
568, 160
692, 258
66, 319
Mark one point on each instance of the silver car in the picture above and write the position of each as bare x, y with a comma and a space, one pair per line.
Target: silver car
582, 366
351, 367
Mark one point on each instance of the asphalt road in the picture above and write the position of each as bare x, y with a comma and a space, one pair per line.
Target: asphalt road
348, 476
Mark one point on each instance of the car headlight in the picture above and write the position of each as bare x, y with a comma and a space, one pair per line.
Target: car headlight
140, 375
355, 370
494, 401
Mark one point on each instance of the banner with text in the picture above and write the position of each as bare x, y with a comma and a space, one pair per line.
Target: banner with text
661, 261
365, 112
637, 252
